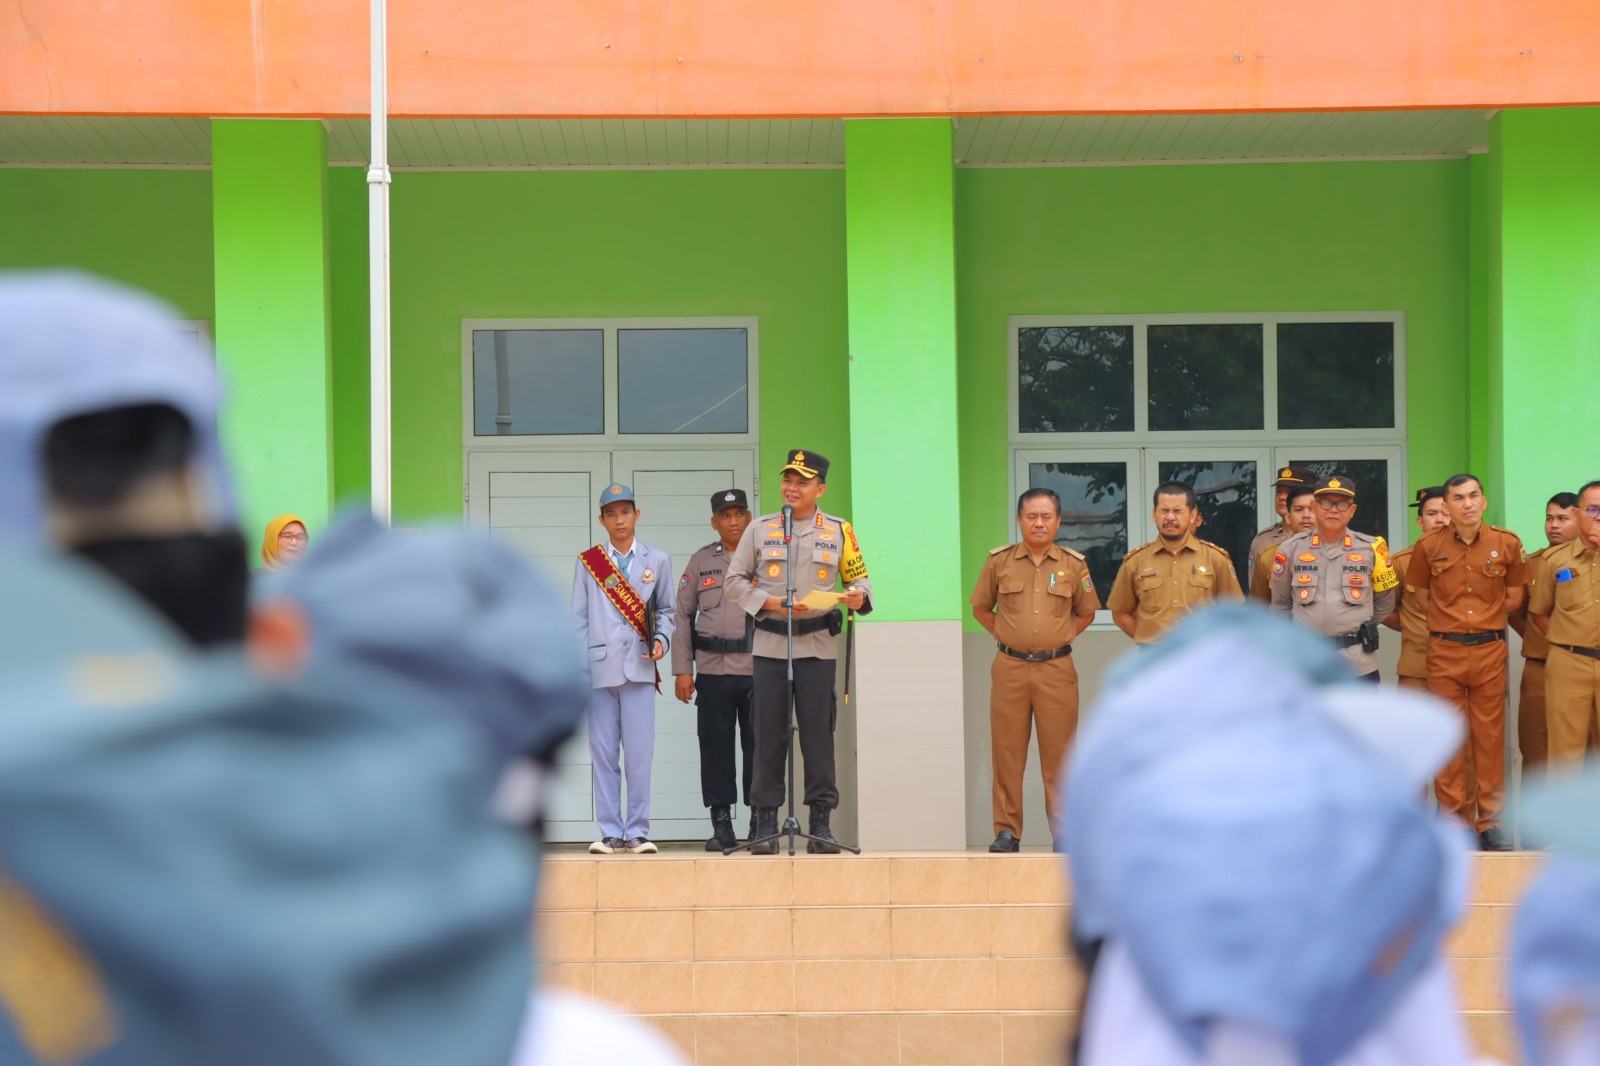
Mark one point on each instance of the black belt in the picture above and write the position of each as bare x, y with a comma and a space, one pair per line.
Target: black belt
1035, 656
1470, 638
1345, 640
1587, 653
728, 645
1531, 659
832, 621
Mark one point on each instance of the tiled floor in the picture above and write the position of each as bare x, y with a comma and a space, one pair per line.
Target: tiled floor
909, 958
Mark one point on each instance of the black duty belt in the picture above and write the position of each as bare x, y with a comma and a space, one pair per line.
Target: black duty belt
1587, 653
832, 621
1035, 656
1346, 640
728, 645
1470, 638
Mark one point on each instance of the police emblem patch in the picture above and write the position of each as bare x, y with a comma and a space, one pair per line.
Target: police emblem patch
1355, 594
1356, 557
683, 582
774, 570
708, 582
1305, 594
1306, 557
1279, 562
822, 575
1304, 579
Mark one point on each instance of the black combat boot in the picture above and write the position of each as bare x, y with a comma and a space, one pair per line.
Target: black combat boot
826, 845
722, 836
766, 827
752, 835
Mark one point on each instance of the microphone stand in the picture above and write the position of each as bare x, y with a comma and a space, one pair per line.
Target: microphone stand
791, 824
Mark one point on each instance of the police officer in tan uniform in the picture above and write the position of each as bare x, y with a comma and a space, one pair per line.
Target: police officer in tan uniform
1281, 530
1300, 516
1034, 598
1533, 738
1565, 605
1335, 580
1162, 581
825, 553
1408, 618
715, 673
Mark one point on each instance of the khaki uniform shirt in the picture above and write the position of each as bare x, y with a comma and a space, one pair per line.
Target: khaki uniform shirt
1535, 645
1467, 582
1261, 573
1334, 586
1572, 604
1034, 604
825, 549
1270, 537
1413, 623
1159, 585
705, 609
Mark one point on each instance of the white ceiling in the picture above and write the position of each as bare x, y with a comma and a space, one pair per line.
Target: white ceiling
988, 141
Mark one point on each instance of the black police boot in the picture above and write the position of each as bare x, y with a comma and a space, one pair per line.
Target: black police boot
722, 836
1494, 839
752, 835
819, 828
766, 831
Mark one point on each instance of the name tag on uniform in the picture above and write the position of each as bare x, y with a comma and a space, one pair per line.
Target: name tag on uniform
1564, 574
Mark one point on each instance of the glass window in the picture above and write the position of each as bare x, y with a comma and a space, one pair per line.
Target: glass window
683, 381
1336, 375
1227, 492
1372, 490
1075, 379
1205, 377
529, 382
1094, 513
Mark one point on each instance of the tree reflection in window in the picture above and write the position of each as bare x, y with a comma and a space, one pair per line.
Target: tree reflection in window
1336, 375
1075, 379
1094, 513
1205, 377
1227, 492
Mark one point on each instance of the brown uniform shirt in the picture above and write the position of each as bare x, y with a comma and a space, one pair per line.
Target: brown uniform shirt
1467, 583
1572, 604
1158, 585
1413, 623
1261, 573
704, 609
1535, 645
1270, 537
1334, 586
1034, 605
824, 545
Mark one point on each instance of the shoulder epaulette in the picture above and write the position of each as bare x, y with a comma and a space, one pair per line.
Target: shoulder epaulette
1134, 552
1219, 547
1078, 555
1003, 547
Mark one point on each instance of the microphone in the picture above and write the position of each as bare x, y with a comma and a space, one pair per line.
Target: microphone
788, 523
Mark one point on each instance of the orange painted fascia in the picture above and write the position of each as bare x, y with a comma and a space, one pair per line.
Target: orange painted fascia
755, 58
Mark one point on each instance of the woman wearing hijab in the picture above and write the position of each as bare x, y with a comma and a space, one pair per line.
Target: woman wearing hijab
285, 541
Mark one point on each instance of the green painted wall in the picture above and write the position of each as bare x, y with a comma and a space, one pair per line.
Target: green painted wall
1270, 237
352, 332
1479, 181
269, 227
900, 240
1544, 318
631, 243
150, 228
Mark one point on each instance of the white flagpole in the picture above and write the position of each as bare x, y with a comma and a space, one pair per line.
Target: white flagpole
378, 263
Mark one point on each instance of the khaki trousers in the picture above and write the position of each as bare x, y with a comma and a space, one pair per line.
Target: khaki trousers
1533, 738
1572, 704
1021, 694
1473, 678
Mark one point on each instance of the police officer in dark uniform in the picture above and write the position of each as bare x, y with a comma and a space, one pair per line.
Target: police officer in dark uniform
716, 672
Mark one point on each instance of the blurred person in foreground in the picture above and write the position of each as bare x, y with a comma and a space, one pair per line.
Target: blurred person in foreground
1256, 881
109, 448
284, 542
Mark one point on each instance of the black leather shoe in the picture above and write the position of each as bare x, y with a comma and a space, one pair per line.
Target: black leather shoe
722, 837
752, 834
1005, 843
766, 831
819, 828
1494, 839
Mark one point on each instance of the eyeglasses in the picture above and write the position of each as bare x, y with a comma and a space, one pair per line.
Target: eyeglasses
290, 535
1592, 512
1329, 503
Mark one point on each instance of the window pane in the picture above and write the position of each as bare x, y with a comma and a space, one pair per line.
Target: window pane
1094, 513
1205, 377
1075, 379
1227, 492
1372, 490
538, 381
682, 381
1336, 375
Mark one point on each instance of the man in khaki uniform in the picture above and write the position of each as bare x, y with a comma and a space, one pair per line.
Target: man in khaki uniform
1288, 477
1565, 605
1469, 576
825, 553
1162, 581
1034, 598
1533, 738
1335, 580
1300, 517
1408, 618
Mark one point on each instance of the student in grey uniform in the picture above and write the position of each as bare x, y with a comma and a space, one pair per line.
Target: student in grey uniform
622, 604
825, 552
1337, 581
715, 670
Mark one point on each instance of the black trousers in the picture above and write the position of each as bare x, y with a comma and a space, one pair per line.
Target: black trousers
815, 713
722, 703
